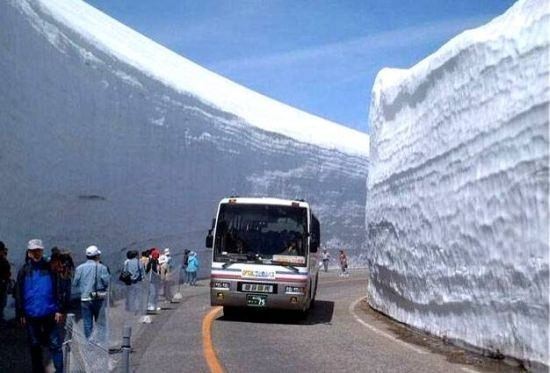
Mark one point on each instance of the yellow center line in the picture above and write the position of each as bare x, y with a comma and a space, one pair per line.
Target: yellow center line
207, 346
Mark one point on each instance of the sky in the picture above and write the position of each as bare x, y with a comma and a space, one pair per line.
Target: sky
319, 56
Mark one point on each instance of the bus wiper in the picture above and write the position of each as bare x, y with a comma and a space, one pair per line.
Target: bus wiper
232, 261
227, 264
292, 268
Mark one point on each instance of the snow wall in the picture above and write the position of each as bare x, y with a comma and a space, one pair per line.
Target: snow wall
457, 202
94, 148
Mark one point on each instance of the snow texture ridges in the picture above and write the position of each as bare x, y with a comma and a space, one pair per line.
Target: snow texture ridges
95, 150
457, 207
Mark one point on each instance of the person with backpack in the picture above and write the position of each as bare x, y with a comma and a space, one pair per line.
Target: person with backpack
192, 268
92, 278
40, 306
132, 273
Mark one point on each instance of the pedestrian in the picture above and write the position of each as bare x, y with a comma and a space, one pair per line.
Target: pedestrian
133, 267
41, 306
326, 258
61, 263
144, 258
53, 253
5, 279
343, 264
153, 270
165, 262
183, 270
192, 268
92, 278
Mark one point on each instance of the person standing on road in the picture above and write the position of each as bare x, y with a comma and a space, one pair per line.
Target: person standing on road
153, 270
5, 278
326, 258
166, 274
133, 266
183, 270
40, 306
343, 264
92, 278
192, 268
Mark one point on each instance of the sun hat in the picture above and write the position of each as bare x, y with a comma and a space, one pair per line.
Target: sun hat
35, 244
92, 251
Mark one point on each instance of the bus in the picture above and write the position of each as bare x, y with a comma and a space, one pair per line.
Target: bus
265, 254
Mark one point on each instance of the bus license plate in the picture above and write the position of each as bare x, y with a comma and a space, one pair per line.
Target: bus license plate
260, 288
256, 300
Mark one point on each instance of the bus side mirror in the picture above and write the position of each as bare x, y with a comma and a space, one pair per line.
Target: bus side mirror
209, 240
314, 244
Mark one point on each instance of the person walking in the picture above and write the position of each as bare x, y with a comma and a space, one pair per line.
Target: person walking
166, 274
40, 306
326, 258
5, 279
92, 278
343, 264
133, 267
183, 269
192, 268
153, 270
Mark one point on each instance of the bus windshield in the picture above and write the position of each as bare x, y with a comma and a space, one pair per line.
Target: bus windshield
261, 233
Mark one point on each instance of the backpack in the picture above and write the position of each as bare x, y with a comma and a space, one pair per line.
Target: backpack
125, 275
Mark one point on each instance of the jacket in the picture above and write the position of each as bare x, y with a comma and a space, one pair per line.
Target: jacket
38, 291
135, 268
192, 264
91, 276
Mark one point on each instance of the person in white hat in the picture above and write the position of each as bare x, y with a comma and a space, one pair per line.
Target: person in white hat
92, 278
40, 305
165, 262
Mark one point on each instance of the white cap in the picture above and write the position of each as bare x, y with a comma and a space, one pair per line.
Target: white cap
35, 244
167, 251
92, 251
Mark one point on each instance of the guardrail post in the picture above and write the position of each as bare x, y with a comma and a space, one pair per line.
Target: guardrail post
67, 344
126, 348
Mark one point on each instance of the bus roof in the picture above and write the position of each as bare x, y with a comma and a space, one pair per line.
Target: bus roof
265, 201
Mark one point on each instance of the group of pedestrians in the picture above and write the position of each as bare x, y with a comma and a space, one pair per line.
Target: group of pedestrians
342, 262
42, 291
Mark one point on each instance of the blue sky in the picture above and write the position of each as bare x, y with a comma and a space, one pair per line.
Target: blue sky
320, 56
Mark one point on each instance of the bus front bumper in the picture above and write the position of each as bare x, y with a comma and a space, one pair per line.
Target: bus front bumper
272, 301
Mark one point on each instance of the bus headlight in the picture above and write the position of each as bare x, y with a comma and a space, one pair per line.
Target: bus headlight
220, 285
294, 290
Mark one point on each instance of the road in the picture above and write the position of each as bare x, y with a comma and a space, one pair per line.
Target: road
340, 334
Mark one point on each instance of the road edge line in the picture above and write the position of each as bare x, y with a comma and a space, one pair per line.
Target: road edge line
208, 350
351, 310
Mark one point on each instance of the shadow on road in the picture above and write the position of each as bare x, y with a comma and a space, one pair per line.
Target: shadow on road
320, 314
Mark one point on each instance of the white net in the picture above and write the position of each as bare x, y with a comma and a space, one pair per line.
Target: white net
126, 305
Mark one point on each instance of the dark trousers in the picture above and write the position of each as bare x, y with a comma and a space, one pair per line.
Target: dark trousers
44, 330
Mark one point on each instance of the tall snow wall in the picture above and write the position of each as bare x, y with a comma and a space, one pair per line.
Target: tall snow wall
94, 148
457, 202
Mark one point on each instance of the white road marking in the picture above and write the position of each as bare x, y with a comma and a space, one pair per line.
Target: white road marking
378, 331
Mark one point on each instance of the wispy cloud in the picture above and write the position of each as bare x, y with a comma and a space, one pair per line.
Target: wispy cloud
358, 48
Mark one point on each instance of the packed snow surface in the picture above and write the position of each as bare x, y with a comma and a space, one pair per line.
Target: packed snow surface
457, 201
110, 139
185, 76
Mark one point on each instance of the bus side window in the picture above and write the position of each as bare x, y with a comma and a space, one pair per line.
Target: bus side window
315, 234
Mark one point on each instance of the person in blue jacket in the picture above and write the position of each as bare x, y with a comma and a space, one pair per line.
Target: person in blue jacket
41, 304
192, 268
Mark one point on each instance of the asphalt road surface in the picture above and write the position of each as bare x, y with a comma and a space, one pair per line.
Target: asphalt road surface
341, 334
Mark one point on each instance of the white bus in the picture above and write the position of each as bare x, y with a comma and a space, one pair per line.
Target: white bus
264, 254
